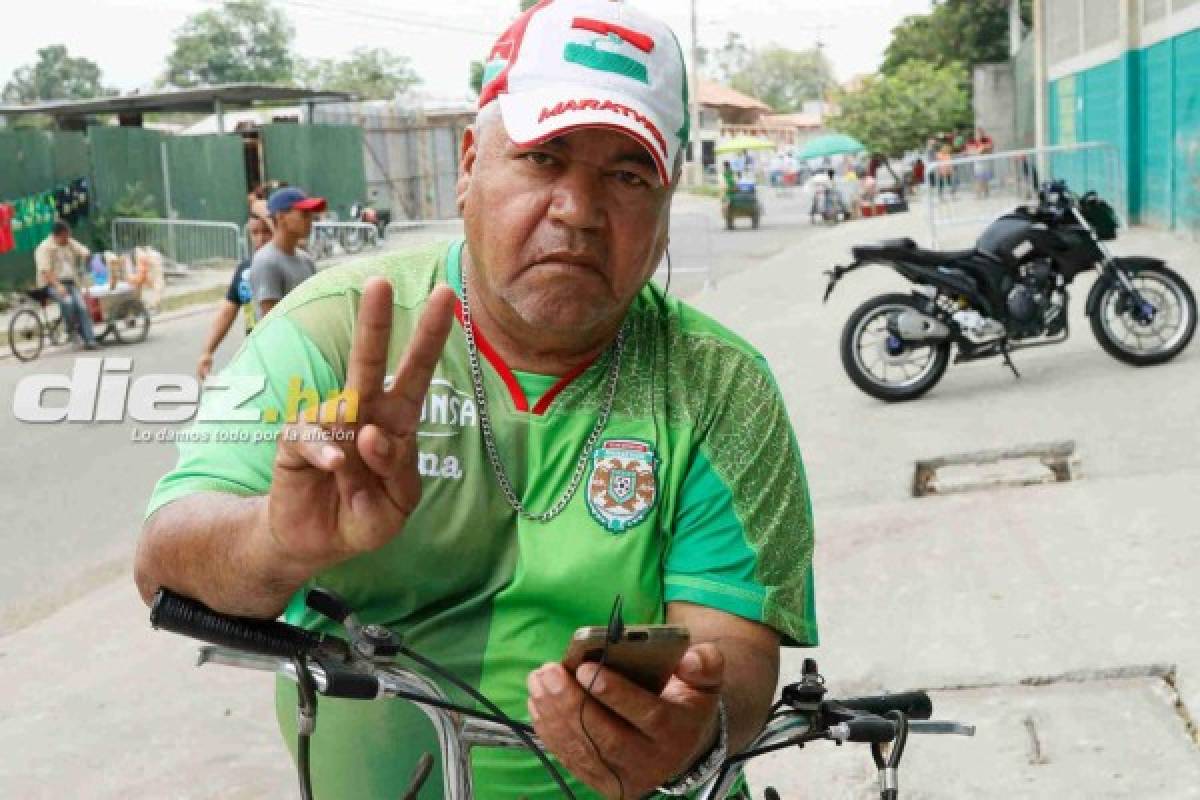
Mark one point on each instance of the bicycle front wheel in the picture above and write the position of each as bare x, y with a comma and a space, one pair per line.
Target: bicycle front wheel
25, 335
133, 325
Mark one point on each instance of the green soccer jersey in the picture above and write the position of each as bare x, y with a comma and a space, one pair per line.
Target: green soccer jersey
694, 492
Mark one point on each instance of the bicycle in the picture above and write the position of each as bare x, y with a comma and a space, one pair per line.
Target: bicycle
363, 667
127, 320
30, 328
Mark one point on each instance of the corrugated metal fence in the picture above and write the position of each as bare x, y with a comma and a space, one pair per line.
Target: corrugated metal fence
31, 162
326, 160
411, 159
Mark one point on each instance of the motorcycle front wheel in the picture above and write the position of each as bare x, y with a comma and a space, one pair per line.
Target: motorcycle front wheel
882, 365
1151, 331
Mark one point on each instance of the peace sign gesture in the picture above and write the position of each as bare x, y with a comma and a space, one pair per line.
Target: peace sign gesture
330, 499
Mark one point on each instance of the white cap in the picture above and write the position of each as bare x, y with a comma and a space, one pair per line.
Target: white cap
569, 64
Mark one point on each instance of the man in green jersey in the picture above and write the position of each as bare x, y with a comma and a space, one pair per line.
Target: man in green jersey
528, 428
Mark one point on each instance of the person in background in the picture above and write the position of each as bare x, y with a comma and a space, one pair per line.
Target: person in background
729, 177
945, 172
280, 266
239, 296
918, 175
981, 145
60, 261
258, 202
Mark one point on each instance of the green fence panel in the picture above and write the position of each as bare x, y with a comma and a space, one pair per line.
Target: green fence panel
208, 178
26, 163
38, 161
125, 158
324, 160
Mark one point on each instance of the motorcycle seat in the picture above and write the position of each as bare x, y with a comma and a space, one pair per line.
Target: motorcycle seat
905, 249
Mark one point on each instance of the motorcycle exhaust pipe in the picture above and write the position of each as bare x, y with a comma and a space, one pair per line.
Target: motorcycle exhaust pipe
913, 326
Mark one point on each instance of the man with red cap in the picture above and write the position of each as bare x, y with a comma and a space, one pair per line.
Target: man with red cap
280, 266
537, 429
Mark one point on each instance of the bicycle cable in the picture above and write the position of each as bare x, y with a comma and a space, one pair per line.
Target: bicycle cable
518, 728
306, 724
613, 634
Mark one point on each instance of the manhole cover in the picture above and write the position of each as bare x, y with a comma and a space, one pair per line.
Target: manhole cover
989, 469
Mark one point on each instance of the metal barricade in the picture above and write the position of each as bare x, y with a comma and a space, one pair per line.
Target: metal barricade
974, 190
328, 238
184, 243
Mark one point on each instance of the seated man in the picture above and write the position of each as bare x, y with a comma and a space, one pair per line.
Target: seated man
552, 431
60, 264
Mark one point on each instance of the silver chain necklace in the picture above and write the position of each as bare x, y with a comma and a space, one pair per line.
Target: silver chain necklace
489, 439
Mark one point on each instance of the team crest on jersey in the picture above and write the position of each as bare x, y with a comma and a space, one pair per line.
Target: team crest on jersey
622, 487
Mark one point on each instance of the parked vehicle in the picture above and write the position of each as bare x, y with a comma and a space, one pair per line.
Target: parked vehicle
740, 203
361, 212
1008, 293
121, 315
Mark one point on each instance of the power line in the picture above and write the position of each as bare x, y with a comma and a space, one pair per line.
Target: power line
376, 17
408, 21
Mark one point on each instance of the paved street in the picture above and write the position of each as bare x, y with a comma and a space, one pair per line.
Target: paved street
1058, 618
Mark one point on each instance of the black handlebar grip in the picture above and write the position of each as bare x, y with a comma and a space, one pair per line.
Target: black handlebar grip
870, 729
348, 684
342, 682
178, 614
914, 705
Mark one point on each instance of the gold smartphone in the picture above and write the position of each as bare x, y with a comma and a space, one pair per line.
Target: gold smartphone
645, 654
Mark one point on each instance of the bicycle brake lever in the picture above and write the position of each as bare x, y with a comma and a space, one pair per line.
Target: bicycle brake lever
328, 604
369, 641
940, 727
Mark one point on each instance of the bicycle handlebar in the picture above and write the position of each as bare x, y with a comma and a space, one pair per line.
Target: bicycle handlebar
281, 648
178, 614
914, 705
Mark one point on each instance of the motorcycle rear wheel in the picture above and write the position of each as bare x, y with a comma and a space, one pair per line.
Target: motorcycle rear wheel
1127, 339
869, 363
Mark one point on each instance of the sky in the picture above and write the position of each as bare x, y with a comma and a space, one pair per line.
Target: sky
130, 39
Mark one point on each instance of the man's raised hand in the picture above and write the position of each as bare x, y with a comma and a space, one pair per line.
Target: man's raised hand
335, 497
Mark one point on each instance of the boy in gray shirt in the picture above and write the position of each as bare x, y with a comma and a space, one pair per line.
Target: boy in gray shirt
278, 267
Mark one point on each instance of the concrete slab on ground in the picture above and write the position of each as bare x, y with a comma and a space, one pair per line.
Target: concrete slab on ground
1107, 739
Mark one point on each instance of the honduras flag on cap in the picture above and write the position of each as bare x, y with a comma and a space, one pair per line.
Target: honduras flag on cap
568, 64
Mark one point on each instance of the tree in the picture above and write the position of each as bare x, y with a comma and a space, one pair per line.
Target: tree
894, 113
969, 31
372, 74
55, 76
723, 63
246, 41
784, 79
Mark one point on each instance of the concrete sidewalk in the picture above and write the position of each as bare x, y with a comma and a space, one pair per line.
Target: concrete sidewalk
1064, 585
1059, 619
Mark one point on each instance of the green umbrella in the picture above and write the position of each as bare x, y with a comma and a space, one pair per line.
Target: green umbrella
832, 144
739, 143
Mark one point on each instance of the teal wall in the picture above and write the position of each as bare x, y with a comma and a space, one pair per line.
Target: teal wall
1147, 104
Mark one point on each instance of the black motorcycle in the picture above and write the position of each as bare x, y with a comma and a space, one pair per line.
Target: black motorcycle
1010, 293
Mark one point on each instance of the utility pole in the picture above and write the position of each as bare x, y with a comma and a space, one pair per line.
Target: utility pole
696, 164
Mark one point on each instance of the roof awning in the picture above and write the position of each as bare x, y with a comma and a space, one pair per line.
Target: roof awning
202, 99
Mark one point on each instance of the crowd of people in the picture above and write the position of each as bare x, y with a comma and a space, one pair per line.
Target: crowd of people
861, 182
76, 279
